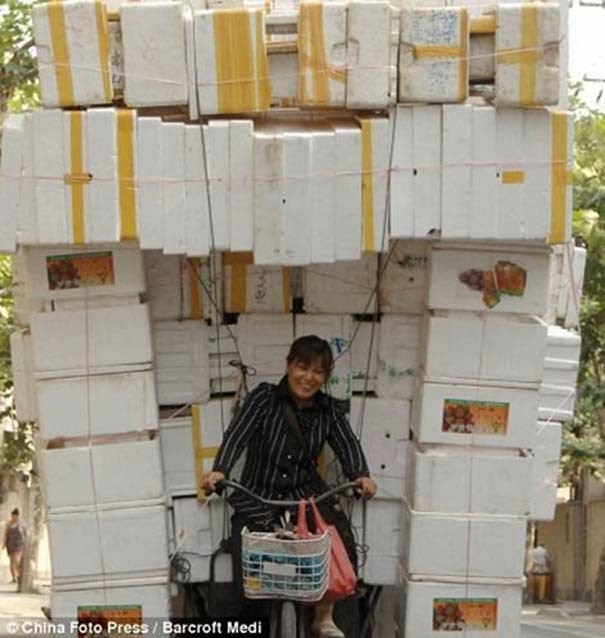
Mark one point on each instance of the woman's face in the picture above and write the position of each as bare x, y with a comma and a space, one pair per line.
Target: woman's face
304, 380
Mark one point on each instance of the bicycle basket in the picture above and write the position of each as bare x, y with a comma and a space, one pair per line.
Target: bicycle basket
277, 568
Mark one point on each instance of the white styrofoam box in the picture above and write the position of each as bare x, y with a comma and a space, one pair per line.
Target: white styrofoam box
232, 67
383, 429
173, 288
153, 599
53, 225
375, 161
149, 183
365, 344
476, 415
265, 341
322, 45
378, 527
521, 79
563, 344
27, 231
73, 53
490, 609
284, 70
482, 63
404, 279
13, 142
453, 480
399, 357
566, 282
173, 188
197, 220
241, 186
223, 349
546, 470
322, 195
181, 357
560, 372
469, 550
342, 287
512, 281
113, 543
251, 288
433, 52
337, 331
92, 340
216, 135
576, 283
557, 402
72, 273
24, 387
268, 194
199, 531
155, 68
24, 305
416, 172
297, 232
97, 405
102, 475
372, 45
484, 349
194, 112
347, 190
180, 446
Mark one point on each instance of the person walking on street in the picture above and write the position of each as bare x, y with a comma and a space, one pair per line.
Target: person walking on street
14, 541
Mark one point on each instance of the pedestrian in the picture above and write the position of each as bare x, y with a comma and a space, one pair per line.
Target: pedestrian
279, 467
14, 541
541, 572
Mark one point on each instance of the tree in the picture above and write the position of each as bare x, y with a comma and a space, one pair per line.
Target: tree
584, 437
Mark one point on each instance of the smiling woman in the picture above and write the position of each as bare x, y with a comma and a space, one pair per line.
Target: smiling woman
278, 465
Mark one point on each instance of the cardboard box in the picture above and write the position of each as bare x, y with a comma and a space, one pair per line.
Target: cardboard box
372, 44
416, 174
231, 54
484, 349
546, 470
181, 357
322, 47
521, 83
476, 415
98, 405
433, 52
490, 610
482, 481
155, 64
469, 550
383, 428
93, 341
521, 279
82, 273
149, 164
73, 53
404, 280
399, 357
84, 545
102, 475
344, 287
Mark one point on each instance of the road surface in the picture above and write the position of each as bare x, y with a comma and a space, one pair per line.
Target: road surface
548, 627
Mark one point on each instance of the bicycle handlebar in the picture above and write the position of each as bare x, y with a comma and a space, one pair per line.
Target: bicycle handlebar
322, 497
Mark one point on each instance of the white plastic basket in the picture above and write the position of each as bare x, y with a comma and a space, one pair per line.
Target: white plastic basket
278, 568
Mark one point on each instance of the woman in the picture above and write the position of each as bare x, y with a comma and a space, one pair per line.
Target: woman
14, 541
277, 467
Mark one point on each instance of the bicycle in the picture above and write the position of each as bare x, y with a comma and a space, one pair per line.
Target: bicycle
278, 569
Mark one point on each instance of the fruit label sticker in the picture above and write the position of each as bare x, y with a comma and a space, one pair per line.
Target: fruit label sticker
506, 278
475, 417
465, 614
105, 620
80, 270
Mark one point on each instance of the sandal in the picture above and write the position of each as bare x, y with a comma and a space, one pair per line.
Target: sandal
326, 629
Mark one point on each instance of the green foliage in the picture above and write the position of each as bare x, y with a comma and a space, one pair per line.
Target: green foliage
584, 437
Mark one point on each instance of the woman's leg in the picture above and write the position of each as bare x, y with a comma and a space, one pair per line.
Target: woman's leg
13, 567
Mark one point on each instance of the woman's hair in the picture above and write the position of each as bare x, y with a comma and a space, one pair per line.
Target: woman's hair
15, 512
309, 349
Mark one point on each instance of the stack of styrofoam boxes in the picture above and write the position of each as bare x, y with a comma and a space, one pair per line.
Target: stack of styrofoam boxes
97, 414
566, 282
474, 425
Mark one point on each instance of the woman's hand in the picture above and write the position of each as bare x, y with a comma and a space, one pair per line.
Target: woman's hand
210, 480
366, 487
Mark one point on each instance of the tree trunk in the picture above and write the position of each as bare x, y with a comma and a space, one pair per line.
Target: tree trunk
34, 528
598, 599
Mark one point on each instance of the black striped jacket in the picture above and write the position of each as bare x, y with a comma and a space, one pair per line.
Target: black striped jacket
275, 466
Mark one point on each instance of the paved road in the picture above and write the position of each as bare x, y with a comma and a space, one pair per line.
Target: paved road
545, 627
